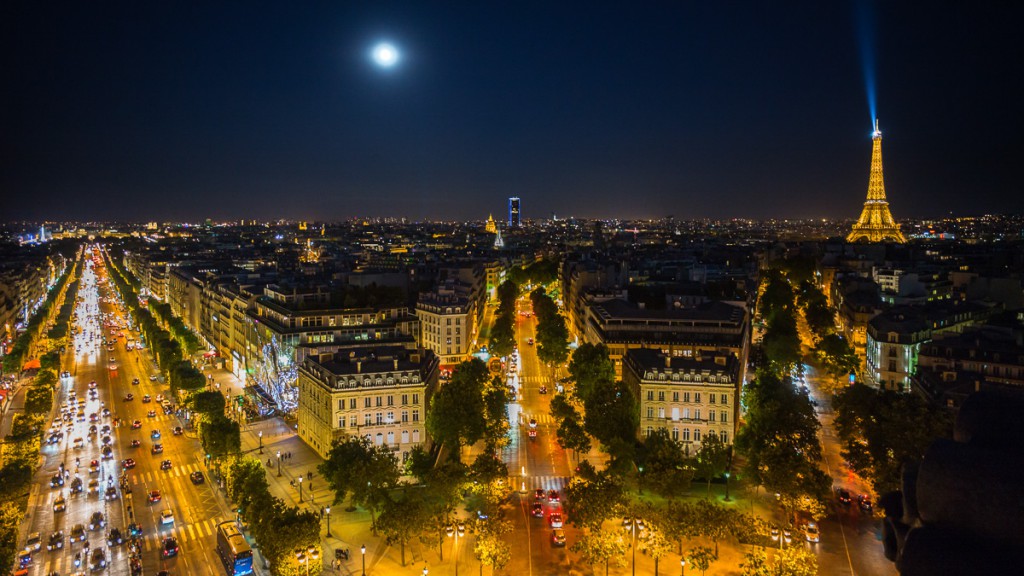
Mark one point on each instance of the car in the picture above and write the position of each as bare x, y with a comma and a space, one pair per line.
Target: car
844, 496
98, 560
532, 433
135, 381
166, 516
60, 505
136, 424
94, 487
147, 399
97, 521
56, 541
558, 537
94, 467
78, 533
76, 486
165, 465
105, 412
775, 533
57, 480
157, 449
178, 431
170, 547
159, 397
134, 530
555, 520
114, 537
539, 494
197, 477
34, 543
110, 494
105, 429
864, 503
152, 377
151, 414
92, 385
128, 463
154, 435
811, 532
553, 496
154, 496
537, 510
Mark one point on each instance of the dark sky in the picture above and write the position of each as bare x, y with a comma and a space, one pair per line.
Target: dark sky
177, 110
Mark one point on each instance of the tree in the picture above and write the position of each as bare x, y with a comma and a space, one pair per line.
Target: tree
492, 548
39, 400
792, 561
292, 529
701, 558
712, 459
208, 402
503, 336
665, 468
10, 518
497, 426
456, 416
782, 341
838, 359
714, 521
570, 435
401, 519
880, 430
361, 469
589, 502
219, 435
245, 481
679, 521
654, 543
590, 366
46, 378
602, 546
612, 416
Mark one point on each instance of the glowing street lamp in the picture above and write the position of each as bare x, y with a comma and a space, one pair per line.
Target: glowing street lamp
327, 511
279, 463
260, 434
363, 550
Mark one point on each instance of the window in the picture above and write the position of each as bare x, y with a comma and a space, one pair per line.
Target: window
724, 436
366, 419
650, 412
696, 435
341, 404
661, 396
650, 430
380, 439
380, 417
405, 415
711, 398
352, 403
391, 438
686, 434
724, 416
686, 413
405, 399
390, 417
379, 401
416, 416
696, 414
724, 398
686, 396
696, 397
341, 421
711, 415
675, 396
405, 436
650, 395
366, 402
675, 433
391, 400
416, 436
352, 421
661, 412
415, 397
675, 413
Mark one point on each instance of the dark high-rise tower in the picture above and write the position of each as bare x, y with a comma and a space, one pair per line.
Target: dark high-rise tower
513, 212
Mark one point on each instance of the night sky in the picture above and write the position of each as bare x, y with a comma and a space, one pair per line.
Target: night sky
175, 110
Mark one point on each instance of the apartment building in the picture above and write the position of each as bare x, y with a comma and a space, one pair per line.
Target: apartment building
690, 397
378, 392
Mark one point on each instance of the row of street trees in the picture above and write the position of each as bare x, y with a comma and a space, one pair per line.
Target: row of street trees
218, 434
779, 438
16, 356
279, 530
552, 333
503, 334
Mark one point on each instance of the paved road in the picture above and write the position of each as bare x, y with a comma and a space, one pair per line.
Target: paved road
196, 509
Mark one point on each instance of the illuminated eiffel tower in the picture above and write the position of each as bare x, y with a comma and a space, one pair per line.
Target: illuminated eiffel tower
875, 223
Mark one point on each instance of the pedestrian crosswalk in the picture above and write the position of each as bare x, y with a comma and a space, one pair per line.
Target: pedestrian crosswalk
542, 419
547, 482
62, 561
535, 379
176, 471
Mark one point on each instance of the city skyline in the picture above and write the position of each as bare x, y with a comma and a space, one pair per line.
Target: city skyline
281, 112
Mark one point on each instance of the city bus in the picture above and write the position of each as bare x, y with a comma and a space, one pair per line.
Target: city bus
233, 550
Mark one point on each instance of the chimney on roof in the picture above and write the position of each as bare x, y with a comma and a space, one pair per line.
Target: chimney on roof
359, 366
720, 360
396, 363
668, 361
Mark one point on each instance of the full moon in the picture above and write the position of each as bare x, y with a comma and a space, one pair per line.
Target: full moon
385, 55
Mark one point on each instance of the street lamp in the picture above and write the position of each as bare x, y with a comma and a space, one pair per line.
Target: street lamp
727, 486
260, 434
682, 567
301, 559
327, 511
633, 525
425, 571
300, 488
314, 554
363, 550
279, 463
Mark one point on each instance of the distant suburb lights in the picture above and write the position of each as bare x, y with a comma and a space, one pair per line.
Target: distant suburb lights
385, 55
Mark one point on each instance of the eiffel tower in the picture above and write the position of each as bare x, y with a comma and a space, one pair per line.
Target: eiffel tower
875, 223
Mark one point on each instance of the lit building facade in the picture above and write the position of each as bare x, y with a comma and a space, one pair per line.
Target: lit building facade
688, 397
380, 393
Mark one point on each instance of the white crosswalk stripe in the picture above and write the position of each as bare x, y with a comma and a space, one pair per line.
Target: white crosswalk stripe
174, 472
542, 419
548, 482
